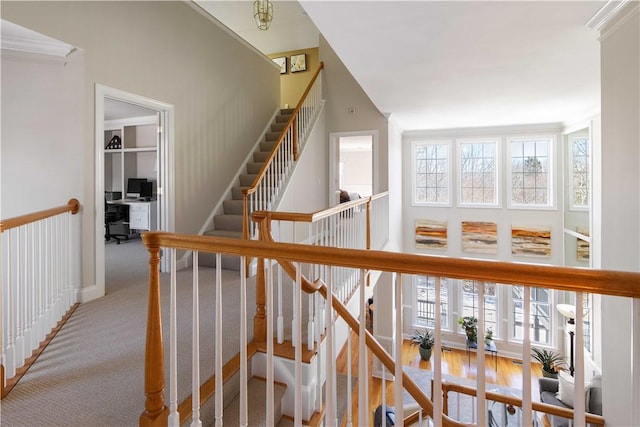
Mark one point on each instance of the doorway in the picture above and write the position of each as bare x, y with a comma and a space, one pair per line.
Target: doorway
124, 110
353, 162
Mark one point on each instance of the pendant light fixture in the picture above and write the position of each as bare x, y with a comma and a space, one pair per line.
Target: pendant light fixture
263, 13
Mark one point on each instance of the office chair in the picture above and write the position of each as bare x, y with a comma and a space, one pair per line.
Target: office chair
111, 217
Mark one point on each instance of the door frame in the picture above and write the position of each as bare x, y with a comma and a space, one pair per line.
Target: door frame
166, 183
334, 158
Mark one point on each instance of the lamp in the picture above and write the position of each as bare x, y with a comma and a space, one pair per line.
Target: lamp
263, 13
569, 311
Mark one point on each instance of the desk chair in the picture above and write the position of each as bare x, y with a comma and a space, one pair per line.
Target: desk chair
112, 217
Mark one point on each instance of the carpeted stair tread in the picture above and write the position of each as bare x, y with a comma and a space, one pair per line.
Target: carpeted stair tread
224, 233
286, 111
228, 222
236, 192
260, 156
256, 389
232, 207
283, 118
278, 127
272, 136
254, 167
246, 179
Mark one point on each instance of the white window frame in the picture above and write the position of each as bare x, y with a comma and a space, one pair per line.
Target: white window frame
414, 145
496, 142
551, 176
446, 321
512, 320
572, 205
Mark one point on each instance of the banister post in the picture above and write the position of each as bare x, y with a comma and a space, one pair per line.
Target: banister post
155, 411
295, 137
260, 319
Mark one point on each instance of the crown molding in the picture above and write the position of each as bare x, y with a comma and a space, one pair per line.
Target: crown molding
16, 39
606, 14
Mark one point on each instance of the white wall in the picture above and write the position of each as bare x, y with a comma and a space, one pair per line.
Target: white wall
223, 92
42, 146
618, 200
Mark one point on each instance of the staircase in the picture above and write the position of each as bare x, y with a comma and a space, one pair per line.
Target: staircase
229, 222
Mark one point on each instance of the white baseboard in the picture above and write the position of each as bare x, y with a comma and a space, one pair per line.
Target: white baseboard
88, 293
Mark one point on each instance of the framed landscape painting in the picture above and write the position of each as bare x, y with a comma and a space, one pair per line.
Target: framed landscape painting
431, 234
480, 237
531, 240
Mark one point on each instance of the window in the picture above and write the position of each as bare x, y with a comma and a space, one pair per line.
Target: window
478, 172
431, 169
530, 174
425, 301
540, 315
579, 169
470, 303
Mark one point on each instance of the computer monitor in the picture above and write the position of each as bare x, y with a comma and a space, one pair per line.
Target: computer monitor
134, 186
146, 190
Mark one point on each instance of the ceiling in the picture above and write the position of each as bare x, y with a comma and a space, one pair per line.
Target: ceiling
447, 64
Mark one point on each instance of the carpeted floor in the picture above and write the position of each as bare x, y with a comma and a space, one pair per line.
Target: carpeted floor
92, 372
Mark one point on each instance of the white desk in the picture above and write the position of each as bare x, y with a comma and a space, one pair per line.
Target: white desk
142, 215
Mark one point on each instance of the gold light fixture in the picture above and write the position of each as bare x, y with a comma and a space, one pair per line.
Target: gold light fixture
263, 13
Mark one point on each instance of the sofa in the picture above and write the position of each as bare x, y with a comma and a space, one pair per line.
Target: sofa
550, 393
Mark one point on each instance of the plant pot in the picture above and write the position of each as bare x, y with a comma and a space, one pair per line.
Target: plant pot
425, 353
471, 335
548, 374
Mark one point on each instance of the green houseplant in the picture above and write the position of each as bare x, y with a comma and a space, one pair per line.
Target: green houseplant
425, 341
551, 362
470, 326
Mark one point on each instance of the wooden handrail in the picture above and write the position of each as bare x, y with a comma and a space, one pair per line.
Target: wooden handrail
73, 205
321, 214
290, 123
606, 282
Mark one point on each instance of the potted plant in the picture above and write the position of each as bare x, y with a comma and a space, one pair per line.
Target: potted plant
488, 337
425, 341
551, 362
470, 326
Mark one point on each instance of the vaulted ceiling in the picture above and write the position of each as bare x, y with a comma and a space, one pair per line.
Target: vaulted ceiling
448, 64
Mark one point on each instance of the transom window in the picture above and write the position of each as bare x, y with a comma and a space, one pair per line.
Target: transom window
470, 303
540, 315
579, 168
530, 175
478, 172
431, 171
425, 301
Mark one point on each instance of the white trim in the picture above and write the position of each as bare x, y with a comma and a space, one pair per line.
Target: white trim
619, 20
450, 185
130, 121
540, 128
166, 183
605, 14
334, 157
19, 39
496, 140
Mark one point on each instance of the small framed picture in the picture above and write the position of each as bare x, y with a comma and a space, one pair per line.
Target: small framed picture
282, 63
298, 62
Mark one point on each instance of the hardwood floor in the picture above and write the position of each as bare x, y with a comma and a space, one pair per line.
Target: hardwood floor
454, 362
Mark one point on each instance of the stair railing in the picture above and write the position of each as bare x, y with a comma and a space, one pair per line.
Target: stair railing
37, 286
292, 257
275, 171
354, 224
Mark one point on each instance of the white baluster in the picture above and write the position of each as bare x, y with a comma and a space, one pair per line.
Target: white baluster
310, 323
174, 416
244, 398
270, 416
349, 381
330, 358
526, 359
195, 350
398, 387
480, 360
437, 367
19, 343
384, 397
298, 350
280, 321
219, 406
363, 392
578, 401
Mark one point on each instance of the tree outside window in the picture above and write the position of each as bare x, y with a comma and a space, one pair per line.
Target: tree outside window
580, 172
531, 172
425, 301
478, 173
431, 177
539, 318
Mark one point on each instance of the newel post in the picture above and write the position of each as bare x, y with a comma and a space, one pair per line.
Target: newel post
260, 319
155, 411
